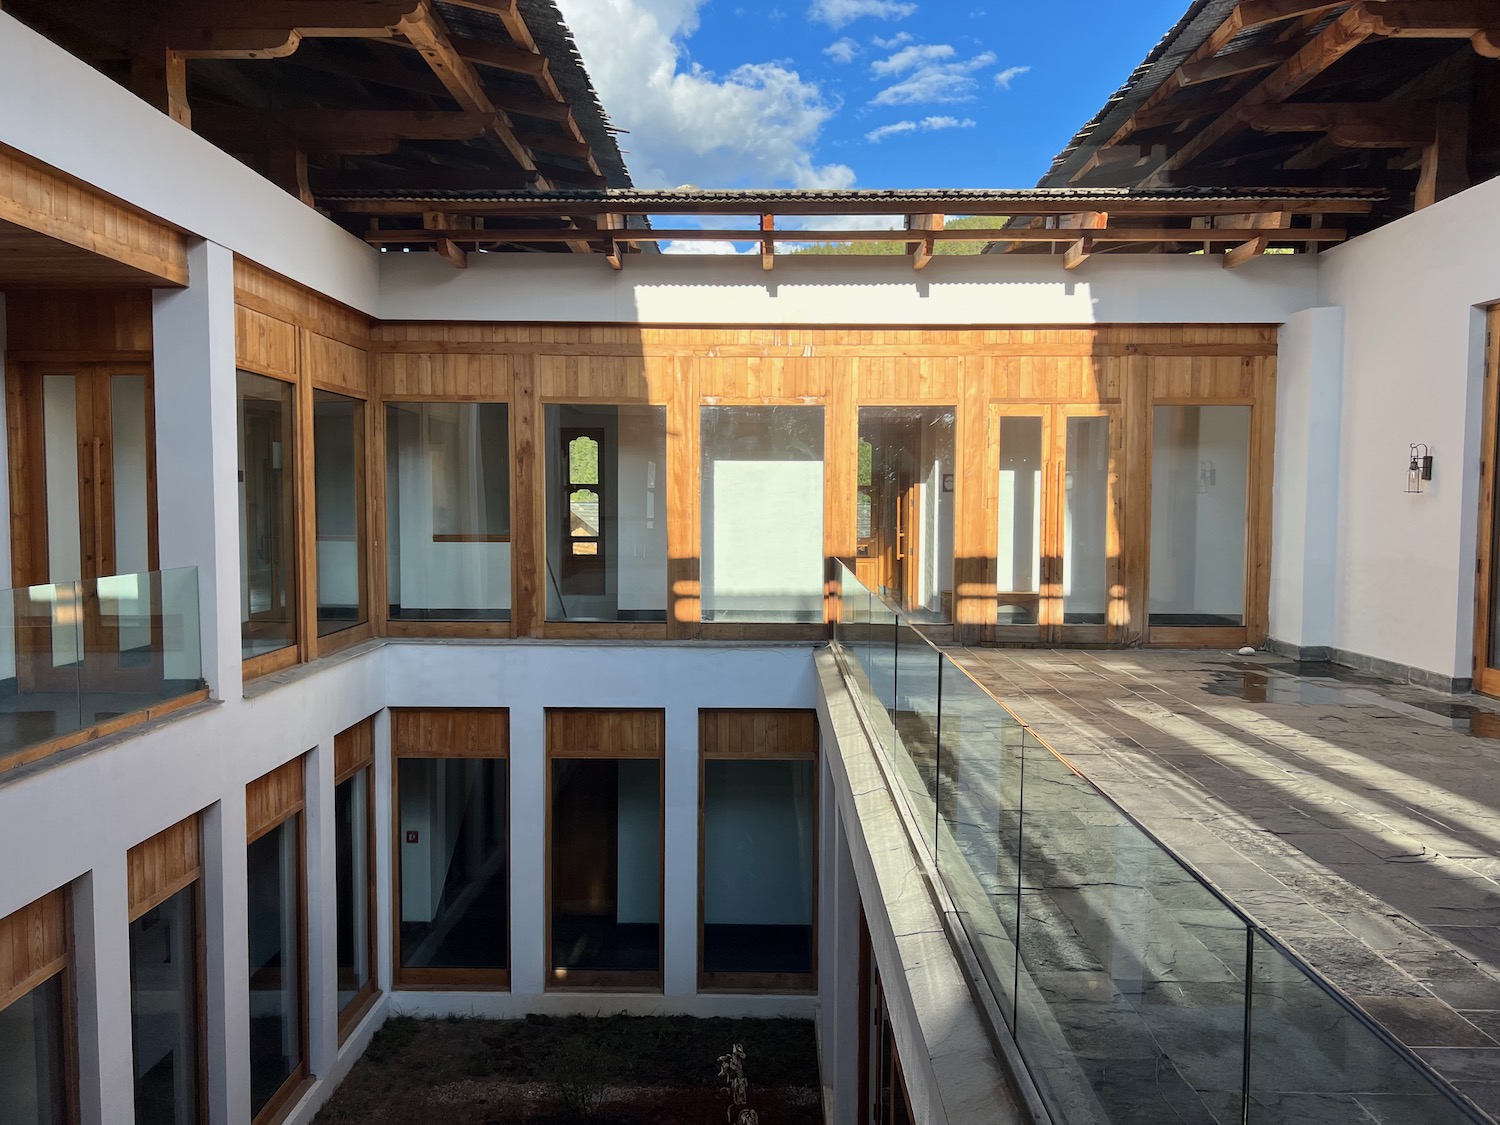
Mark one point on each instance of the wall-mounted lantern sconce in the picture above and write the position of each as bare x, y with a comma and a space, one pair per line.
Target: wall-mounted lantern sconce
1208, 476
1419, 468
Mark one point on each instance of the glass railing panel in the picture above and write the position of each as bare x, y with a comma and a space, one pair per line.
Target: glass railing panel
1312, 1059
140, 634
914, 715
40, 643
979, 824
1133, 992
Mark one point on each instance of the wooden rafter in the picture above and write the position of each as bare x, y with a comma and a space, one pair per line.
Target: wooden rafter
925, 249
1255, 247
767, 245
1079, 250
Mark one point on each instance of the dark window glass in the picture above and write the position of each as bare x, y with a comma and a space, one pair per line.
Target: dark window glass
32, 1086
268, 586
164, 1011
351, 817
338, 456
275, 894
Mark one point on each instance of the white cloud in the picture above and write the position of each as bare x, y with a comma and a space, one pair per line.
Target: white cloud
706, 246
897, 40
875, 136
842, 51
756, 126
932, 75
1009, 75
932, 124
836, 13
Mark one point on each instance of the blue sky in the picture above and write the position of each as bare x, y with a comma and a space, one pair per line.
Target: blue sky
864, 93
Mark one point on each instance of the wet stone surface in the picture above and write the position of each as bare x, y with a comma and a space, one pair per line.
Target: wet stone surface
1354, 818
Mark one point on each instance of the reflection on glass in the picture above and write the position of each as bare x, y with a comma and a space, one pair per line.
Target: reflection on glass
64, 539
164, 1011
762, 513
351, 837
606, 513
454, 913
448, 510
1199, 485
606, 864
758, 843
267, 510
1019, 551
1086, 522
910, 506
338, 454
33, 1090
275, 897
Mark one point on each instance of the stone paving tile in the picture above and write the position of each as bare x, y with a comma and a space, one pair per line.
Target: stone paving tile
1355, 818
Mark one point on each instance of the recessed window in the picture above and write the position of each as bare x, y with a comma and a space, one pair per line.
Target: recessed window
1019, 549
268, 539
353, 812
448, 511
605, 837
762, 513
339, 481
606, 514
35, 1045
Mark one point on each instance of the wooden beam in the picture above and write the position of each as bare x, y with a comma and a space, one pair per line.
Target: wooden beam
1434, 19
452, 253
767, 245
499, 56
160, 79
1077, 252
1247, 61
924, 251
334, 131
1351, 124
1254, 247
288, 170
562, 146
265, 29
533, 107
1445, 162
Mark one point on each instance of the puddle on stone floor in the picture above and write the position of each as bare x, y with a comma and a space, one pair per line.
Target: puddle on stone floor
1260, 683
1257, 687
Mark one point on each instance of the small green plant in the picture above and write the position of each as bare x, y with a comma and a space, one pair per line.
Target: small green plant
577, 1081
732, 1074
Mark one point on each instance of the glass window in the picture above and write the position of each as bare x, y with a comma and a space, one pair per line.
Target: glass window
762, 511
1019, 550
268, 582
352, 868
164, 944
33, 1090
454, 908
275, 901
759, 839
906, 510
339, 480
606, 867
1086, 521
448, 510
1199, 487
606, 516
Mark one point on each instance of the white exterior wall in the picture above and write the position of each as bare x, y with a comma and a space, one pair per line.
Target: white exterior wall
1413, 371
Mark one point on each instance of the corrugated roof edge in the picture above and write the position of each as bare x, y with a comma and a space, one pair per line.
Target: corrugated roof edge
1185, 37
752, 198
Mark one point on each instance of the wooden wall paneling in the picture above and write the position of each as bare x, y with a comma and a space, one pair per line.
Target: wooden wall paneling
28, 476
88, 326
617, 380
33, 945
264, 344
976, 449
1486, 661
840, 473
684, 607
262, 290
377, 499
528, 558
445, 375
304, 489
163, 865
353, 749
450, 732
606, 733
1203, 378
1136, 487
1259, 524
336, 366
42, 199
274, 797
758, 733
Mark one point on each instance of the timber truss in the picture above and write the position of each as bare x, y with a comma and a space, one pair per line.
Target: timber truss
1071, 223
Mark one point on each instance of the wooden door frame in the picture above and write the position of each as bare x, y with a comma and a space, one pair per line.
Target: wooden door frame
1487, 677
1109, 632
1039, 631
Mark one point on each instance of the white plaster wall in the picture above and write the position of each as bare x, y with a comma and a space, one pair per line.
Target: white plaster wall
1413, 365
996, 289
62, 111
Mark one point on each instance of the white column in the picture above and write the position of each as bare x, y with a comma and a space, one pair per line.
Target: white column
101, 943
1305, 506
227, 973
197, 463
839, 1014
528, 851
680, 847
381, 834
322, 912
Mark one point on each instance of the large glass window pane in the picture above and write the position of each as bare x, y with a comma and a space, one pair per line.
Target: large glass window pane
267, 511
759, 839
351, 829
1019, 550
33, 1090
606, 865
606, 516
275, 896
164, 1011
339, 481
906, 509
1086, 522
448, 510
762, 510
454, 913
130, 435
1199, 485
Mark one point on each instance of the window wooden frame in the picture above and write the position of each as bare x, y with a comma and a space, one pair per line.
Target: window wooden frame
757, 735
270, 801
157, 869
36, 946
575, 734
297, 462
445, 733
355, 632
353, 752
